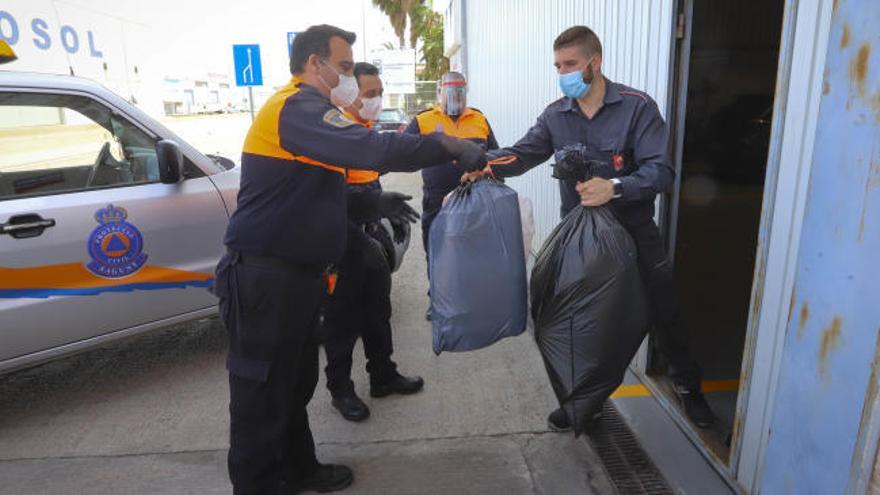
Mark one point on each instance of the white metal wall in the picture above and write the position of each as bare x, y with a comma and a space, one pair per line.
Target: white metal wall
508, 50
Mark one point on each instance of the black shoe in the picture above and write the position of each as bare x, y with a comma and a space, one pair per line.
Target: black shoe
695, 407
428, 313
558, 421
328, 478
400, 384
351, 406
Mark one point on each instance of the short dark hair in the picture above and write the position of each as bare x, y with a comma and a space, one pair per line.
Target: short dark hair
365, 69
315, 41
579, 35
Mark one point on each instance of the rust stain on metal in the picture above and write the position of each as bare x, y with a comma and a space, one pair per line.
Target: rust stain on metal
875, 104
858, 68
872, 183
844, 38
791, 304
758, 284
803, 318
829, 343
735, 432
826, 87
872, 392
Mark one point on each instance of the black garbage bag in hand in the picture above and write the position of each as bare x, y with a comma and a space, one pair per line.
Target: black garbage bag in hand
589, 308
477, 268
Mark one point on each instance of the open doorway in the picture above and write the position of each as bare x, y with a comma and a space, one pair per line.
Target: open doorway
731, 81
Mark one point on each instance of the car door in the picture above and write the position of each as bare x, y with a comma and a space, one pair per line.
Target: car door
91, 242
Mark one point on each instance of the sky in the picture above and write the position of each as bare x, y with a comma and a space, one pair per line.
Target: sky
191, 36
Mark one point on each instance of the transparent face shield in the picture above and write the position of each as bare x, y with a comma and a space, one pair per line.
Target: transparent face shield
454, 97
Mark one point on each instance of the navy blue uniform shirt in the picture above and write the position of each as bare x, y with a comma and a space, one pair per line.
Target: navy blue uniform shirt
292, 201
628, 132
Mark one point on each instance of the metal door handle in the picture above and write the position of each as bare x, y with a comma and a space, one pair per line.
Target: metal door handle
25, 226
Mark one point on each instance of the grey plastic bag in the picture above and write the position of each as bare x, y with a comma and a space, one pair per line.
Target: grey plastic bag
477, 268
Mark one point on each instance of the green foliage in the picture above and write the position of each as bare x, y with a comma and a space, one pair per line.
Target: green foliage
425, 26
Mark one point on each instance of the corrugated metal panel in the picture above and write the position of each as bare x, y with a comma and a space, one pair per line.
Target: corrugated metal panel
509, 61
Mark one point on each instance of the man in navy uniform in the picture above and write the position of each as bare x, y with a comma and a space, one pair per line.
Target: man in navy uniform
623, 127
282, 241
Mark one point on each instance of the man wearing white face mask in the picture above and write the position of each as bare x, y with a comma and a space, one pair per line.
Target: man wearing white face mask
622, 127
283, 240
361, 305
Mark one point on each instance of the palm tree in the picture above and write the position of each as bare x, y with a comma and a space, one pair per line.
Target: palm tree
425, 25
398, 12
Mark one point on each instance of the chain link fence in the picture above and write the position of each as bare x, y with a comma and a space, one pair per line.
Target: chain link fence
425, 97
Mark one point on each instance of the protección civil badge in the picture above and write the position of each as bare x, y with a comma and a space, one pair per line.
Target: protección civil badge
115, 246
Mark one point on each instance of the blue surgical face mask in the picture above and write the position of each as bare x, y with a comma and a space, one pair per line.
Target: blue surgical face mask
573, 85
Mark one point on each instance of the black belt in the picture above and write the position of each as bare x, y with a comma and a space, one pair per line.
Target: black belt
314, 269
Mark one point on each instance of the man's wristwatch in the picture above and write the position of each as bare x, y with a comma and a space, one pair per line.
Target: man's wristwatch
618, 188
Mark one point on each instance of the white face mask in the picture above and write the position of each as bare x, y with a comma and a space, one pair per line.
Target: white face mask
372, 108
346, 92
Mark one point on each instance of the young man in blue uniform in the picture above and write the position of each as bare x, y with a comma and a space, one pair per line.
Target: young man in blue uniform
287, 232
623, 127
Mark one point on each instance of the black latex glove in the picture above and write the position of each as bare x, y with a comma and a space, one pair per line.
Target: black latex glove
394, 207
401, 229
469, 156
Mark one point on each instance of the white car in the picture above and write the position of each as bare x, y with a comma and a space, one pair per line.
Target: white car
110, 224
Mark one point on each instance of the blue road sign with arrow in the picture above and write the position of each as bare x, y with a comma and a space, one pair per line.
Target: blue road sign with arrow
248, 70
290, 36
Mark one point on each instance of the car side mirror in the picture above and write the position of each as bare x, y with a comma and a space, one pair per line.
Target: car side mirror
170, 161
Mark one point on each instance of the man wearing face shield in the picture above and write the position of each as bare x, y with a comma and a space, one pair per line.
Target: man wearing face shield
361, 304
622, 127
453, 117
283, 240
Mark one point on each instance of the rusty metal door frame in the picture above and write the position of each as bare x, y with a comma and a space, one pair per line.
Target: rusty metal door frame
799, 77
806, 24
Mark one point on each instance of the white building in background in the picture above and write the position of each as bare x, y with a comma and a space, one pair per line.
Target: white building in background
215, 93
120, 52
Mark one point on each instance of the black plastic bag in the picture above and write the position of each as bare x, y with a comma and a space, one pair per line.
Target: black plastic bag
589, 307
479, 293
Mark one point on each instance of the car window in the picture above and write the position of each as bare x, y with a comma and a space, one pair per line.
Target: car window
392, 115
55, 143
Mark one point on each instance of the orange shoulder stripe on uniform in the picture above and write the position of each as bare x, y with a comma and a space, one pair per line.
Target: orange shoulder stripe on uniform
264, 139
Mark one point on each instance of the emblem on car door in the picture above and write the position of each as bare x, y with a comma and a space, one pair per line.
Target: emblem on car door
115, 246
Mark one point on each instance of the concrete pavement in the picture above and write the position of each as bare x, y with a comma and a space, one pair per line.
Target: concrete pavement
149, 415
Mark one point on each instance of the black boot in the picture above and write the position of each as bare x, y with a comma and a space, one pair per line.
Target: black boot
558, 421
327, 478
399, 384
351, 406
695, 406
